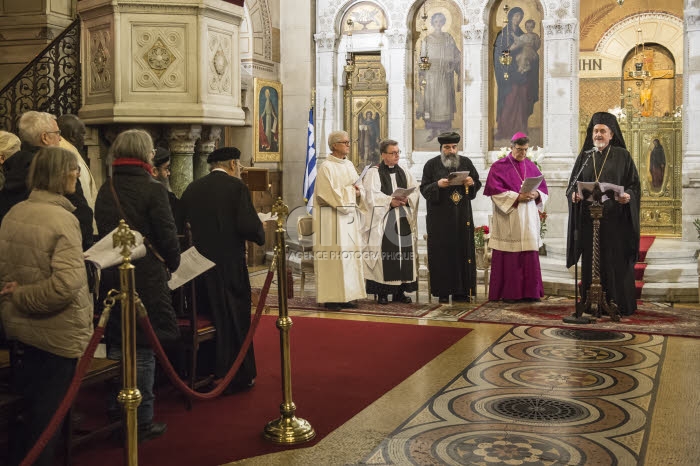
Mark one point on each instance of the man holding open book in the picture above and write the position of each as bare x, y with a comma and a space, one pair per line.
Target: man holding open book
518, 193
389, 228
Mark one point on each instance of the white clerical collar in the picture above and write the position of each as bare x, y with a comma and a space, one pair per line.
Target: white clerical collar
219, 170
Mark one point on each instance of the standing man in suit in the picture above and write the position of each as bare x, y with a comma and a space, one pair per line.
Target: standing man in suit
221, 214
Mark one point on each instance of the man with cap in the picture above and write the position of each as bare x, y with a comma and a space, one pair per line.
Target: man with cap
604, 158
161, 172
220, 211
338, 202
515, 225
449, 222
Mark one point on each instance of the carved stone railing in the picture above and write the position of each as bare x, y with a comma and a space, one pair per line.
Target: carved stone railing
49, 83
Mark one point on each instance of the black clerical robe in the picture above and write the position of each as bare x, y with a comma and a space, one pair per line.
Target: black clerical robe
221, 214
619, 228
450, 229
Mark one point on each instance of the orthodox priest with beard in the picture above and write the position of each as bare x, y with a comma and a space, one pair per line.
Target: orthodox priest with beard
619, 228
390, 265
449, 222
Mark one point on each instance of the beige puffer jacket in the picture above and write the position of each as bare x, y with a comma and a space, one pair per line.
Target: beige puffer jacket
40, 249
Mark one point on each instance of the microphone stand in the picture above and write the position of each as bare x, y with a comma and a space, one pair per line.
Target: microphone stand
577, 317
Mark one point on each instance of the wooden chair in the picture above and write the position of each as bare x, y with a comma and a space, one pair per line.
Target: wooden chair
194, 328
301, 248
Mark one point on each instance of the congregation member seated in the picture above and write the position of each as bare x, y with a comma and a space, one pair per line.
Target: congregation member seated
44, 301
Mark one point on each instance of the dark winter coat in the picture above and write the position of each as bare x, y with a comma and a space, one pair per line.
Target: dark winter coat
145, 203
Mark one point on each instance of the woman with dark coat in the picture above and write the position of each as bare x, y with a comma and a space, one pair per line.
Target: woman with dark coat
145, 208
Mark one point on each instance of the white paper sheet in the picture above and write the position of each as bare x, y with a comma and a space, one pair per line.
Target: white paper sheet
362, 175
192, 264
532, 183
457, 178
589, 185
104, 254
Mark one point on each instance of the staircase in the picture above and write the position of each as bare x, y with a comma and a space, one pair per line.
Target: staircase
49, 83
669, 271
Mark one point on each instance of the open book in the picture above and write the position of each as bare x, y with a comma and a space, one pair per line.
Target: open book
403, 192
104, 254
457, 178
362, 175
589, 185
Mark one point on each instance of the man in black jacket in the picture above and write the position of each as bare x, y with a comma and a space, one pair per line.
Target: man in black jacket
221, 214
37, 130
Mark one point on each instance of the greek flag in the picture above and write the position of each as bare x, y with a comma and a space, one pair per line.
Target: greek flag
310, 173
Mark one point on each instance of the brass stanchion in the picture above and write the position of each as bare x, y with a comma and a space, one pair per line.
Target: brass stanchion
129, 395
288, 429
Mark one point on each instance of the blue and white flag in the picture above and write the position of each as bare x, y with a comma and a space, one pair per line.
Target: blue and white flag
310, 173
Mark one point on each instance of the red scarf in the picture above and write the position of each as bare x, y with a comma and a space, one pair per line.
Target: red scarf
134, 162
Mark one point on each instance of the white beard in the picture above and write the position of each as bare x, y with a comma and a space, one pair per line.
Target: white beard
600, 145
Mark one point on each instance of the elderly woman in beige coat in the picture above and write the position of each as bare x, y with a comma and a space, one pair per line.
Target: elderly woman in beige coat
44, 301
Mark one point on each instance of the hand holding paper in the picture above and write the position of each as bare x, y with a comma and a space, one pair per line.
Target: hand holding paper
457, 178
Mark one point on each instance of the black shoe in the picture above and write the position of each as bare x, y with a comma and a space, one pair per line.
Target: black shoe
333, 306
349, 305
382, 299
444, 299
239, 386
511, 301
151, 431
402, 298
460, 298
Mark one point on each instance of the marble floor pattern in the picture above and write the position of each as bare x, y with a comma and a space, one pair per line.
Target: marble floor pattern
515, 395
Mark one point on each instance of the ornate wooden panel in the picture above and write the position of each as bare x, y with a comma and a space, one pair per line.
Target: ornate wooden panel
365, 110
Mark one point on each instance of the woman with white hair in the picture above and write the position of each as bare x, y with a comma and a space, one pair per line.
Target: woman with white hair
9, 145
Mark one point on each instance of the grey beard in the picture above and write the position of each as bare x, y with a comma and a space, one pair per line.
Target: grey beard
450, 161
165, 181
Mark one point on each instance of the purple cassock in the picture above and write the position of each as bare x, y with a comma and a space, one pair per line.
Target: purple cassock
515, 273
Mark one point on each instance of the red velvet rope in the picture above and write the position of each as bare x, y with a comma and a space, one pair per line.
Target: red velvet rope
175, 378
68, 399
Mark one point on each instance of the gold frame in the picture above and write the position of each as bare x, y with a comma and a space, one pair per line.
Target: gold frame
260, 154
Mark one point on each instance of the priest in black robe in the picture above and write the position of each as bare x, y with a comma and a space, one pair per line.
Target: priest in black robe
222, 217
605, 159
451, 258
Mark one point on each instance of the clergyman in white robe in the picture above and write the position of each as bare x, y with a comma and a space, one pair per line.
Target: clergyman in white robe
337, 221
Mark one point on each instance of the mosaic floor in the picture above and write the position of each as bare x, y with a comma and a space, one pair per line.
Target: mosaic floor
539, 396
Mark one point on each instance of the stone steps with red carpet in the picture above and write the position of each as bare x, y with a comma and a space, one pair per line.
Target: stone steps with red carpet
645, 243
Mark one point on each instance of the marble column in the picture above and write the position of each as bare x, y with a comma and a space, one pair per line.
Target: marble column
204, 147
691, 116
325, 85
475, 85
560, 109
182, 139
395, 66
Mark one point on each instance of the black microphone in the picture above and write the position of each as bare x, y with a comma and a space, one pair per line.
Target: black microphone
590, 151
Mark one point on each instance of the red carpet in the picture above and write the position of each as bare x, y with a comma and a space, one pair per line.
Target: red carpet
653, 318
339, 367
645, 243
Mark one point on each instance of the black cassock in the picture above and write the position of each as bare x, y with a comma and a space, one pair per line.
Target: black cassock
619, 228
450, 229
221, 214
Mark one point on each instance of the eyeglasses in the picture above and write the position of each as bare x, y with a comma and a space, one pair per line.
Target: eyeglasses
520, 149
58, 131
395, 153
347, 143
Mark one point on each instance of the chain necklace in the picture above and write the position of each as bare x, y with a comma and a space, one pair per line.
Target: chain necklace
595, 171
522, 178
